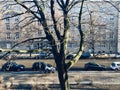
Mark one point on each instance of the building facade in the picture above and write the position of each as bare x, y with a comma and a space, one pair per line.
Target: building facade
100, 23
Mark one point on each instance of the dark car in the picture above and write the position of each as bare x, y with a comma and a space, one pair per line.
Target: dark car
94, 66
37, 66
44, 67
70, 56
13, 66
85, 55
41, 55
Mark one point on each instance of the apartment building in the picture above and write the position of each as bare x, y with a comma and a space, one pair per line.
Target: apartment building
100, 23
118, 44
13, 30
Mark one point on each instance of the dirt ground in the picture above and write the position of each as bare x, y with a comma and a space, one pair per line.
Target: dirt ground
80, 80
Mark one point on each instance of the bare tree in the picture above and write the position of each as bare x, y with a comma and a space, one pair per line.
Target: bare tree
102, 27
46, 13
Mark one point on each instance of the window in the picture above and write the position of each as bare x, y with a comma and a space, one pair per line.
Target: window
104, 36
17, 26
102, 44
104, 19
16, 8
8, 35
16, 19
8, 45
118, 64
17, 35
83, 27
102, 9
7, 20
39, 32
111, 35
111, 18
6, 7
7, 26
102, 27
113, 64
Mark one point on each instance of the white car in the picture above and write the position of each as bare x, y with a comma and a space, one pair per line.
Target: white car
115, 66
117, 56
49, 68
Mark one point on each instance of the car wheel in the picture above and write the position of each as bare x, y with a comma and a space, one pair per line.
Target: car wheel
53, 71
18, 69
86, 69
34, 69
116, 69
4, 69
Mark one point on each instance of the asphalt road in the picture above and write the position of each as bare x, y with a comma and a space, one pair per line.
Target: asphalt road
38, 72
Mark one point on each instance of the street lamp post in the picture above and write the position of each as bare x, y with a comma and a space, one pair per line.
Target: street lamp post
92, 32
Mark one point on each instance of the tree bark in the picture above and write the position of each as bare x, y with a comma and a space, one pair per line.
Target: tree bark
63, 78
63, 75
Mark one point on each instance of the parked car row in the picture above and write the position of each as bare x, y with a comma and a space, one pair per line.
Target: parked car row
48, 68
37, 66
85, 55
94, 66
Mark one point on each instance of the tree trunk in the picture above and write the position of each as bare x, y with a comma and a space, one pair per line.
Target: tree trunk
62, 74
63, 79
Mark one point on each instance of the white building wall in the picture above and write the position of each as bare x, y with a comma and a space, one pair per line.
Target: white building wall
119, 31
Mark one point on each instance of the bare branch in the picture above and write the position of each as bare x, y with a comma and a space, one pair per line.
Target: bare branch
14, 15
54, 20
117, 8
31, 39
76, 58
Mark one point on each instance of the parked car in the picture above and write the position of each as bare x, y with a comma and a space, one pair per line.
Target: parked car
94, 66
70, 56
13, 66
49, 68
36, 66
85, 55
41, 55
115, 66
44, 55
117, 56
44, 67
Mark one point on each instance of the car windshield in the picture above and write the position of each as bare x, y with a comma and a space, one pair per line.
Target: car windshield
113, 64
118, 64
49, 65
12, 63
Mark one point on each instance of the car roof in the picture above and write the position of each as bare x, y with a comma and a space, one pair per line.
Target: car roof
92, 63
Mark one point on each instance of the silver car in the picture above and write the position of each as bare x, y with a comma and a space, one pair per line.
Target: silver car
115, 66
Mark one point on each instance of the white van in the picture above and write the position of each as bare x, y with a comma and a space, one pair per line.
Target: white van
115, 66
